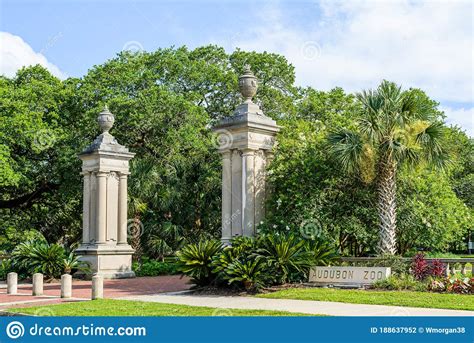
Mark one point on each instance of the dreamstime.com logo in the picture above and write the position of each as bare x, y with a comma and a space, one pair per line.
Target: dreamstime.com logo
16, 330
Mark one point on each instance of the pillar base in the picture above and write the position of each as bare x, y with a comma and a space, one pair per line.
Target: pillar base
226, 240
110, 262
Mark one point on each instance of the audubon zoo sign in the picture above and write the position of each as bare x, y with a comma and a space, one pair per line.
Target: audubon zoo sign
348, 275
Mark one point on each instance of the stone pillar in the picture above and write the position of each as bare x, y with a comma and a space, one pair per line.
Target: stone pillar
97, 287
248, 192
250, 136
12, 283
101, 214
122, 216
86, 208
236, 193
105, 167
226, 196
37, 284
260, 186
66, 286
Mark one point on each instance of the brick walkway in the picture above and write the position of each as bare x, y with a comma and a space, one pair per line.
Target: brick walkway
81, 290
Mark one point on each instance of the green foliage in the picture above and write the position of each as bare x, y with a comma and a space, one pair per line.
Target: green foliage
394, 128
396, 262
37, 158
309, 189
11, 238
52, 260
40, 257
155, 268
252, 263
5, 268
251, 273
286, 254
72, 263
165, 101
241, 265
195, 260
431, 216
401, 282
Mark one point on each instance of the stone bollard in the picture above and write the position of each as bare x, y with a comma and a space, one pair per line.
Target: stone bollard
97, 287
12, 283
37, 284
66, 286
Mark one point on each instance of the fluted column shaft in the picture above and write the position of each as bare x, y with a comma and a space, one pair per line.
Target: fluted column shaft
248, 192
226, 196
122, 209
101, 213
259, 186
236, 216
86, 208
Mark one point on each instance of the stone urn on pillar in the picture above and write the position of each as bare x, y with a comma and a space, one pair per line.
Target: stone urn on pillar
245, 142
105, 169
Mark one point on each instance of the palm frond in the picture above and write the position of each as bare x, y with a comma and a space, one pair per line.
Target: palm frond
431, 140
346, 147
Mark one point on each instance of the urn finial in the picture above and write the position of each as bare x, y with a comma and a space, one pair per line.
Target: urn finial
105, 119
247, 84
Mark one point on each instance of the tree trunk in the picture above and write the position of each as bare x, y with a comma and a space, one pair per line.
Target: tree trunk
135, 232
387, 208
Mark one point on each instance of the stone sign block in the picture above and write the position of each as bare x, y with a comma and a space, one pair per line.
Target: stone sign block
348, 275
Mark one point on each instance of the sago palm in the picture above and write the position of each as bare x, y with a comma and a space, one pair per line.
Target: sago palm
394, 127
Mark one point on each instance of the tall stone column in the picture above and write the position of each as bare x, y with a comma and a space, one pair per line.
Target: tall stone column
226, 196
122, 210
101, 214
235, 186
86, 208
250, 135
248, 192
260, 186
105, 167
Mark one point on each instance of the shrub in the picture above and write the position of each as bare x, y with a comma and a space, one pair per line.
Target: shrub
240, 265
322, 253
252, 263
39, 256
195, 260
460, 285
155, 268
5, 268
395, 262
251, 273
286, 254
420, 267
437, 285
400, 282
241, 248
437, 269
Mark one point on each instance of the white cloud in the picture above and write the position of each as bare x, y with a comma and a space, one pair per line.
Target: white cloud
16, 53
461, 117
418, 44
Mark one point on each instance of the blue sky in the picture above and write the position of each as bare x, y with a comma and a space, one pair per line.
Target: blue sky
354, 44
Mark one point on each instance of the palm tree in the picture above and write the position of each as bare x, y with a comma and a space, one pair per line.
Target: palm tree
393, 128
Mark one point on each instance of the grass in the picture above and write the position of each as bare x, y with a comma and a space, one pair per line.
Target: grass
110, 307
395, 298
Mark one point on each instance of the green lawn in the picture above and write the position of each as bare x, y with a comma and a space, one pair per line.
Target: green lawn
396, 298
109, 307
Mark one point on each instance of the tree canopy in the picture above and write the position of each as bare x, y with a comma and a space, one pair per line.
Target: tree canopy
165, 103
